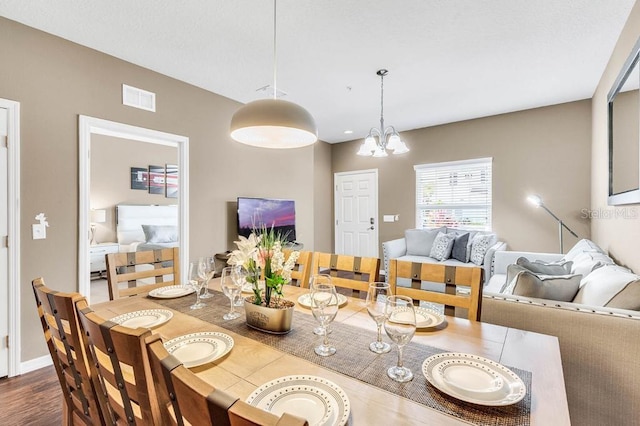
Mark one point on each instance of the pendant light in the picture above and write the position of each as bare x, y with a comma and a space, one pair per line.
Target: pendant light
274, 123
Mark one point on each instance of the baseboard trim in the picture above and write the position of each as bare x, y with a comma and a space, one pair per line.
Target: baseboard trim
35, 364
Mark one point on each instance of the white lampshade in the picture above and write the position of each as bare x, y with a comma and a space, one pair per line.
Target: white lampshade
98, 216
380, 152
364, 151
401, 147
274, 123
394, 141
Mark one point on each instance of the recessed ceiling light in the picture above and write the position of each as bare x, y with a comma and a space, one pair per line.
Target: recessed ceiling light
348, 132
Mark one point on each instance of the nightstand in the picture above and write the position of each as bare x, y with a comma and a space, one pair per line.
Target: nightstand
97, 253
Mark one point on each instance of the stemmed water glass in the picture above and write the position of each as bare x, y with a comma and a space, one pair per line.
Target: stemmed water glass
208, 268
196, 280
376, 302
324, 306
400, 325
231, 284
319, 330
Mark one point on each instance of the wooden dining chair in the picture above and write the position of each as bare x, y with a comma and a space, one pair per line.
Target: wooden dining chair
451, 276
302, 270
346, 271
187, 399
120, 355
133, 273
83, 398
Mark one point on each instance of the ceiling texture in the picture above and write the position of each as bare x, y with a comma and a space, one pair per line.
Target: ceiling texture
448, 60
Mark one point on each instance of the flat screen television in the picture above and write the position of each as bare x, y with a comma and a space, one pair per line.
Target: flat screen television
268, 212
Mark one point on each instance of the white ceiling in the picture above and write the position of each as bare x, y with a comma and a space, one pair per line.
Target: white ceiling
448, 60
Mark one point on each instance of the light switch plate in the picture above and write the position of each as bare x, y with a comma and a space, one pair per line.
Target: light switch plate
39, 231
388, 218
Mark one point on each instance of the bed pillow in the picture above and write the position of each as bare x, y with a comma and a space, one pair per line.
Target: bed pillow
442, 245
562, 267
481, 244
552, 287
420, 241
160, 233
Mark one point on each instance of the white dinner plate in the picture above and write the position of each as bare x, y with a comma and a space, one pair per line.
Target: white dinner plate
305, 300
199, 348
149, 318
474, 379
425, 318
321, 402
171, 291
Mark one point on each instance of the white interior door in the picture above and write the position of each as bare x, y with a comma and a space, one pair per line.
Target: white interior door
356, 213
4, 252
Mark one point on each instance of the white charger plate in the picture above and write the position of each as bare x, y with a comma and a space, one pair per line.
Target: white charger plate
474, 379
149, 318
171, 291
425, 318
305, 300
321, 402
199, 348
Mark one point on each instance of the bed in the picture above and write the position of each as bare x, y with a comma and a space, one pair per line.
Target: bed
146, 227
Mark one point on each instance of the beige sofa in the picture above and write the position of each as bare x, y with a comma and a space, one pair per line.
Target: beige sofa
600, 345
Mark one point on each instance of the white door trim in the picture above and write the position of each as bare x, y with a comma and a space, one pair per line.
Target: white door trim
335, 206
90, 125
13, 144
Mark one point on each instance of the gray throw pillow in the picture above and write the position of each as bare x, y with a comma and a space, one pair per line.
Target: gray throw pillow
441, 249
420, 241
481, 244
459, 250
540, 267
160, 233
460, 232
552, 287
512, 273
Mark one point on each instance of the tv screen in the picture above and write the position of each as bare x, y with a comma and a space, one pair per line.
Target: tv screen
256, 212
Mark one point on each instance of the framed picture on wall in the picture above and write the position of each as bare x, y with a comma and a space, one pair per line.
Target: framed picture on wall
156, 179
139, 178
171, 181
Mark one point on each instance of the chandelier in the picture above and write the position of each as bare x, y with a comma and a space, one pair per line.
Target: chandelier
274, 123
387, 138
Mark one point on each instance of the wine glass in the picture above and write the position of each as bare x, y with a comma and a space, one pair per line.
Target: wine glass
319, 330
196, 280
400, 325
231, 286
324, 306
376, 301
209, 270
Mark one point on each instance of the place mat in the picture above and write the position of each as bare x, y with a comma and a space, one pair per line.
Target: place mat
354, 359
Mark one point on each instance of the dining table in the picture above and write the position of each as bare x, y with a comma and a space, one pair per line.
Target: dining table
374, 399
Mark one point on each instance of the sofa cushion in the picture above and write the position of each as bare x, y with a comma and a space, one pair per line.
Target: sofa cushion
582, 246
605, 284
539, 267
552, 287
442, 245
420, 241
459, 250
586, 262
481, 244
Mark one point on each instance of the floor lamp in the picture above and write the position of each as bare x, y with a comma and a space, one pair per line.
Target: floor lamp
537, 201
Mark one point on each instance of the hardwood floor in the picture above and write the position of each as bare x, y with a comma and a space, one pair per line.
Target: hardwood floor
33, 399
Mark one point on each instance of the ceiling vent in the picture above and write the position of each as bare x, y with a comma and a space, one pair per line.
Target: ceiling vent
138, 98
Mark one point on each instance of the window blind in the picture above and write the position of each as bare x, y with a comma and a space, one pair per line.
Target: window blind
455, 194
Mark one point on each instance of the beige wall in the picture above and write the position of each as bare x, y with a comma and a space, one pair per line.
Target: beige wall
615, 229
55, 81
543, 151
111, 162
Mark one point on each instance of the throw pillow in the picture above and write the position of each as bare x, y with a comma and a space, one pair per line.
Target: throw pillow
582, 246
160, 233
601, 286
552, 287
627, 298
512, 273
540, 267
420, 241
481, 244
586, 262
441, 249
460, 232
459, 250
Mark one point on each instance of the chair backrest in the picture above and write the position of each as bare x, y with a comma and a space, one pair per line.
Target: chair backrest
120, 354
83, 397
142, 271
451, 276
198, 402
347, 271
302, 270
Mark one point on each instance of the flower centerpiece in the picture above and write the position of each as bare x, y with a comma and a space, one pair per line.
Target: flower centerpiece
268, 271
